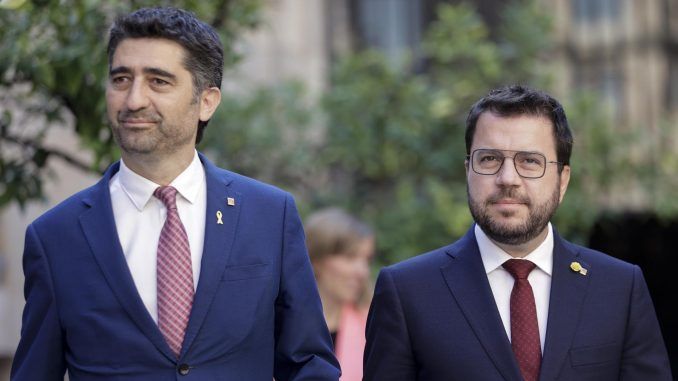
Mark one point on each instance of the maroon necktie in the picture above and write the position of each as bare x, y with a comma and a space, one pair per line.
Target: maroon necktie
524, 328
175, 274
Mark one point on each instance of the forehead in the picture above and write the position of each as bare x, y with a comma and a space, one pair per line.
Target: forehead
149, 52
363, 248
517, 133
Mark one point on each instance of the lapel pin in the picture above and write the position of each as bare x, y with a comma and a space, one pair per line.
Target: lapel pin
576, 267
230, 201
219, 215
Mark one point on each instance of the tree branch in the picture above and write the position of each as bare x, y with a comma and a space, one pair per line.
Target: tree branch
68, 158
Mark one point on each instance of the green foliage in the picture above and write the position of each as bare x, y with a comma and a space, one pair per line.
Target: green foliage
663, 184
386, 143
615, 168
55, 52
399, 135
525, 41
392, 147
241, 139
594, 162
394, 156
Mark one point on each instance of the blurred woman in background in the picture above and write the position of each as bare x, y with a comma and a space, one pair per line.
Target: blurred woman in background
341, 248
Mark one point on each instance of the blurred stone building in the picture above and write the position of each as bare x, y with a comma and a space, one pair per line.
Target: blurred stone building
626, 49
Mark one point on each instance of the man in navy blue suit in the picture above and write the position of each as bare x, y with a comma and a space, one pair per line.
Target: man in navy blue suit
169, 267
512, 300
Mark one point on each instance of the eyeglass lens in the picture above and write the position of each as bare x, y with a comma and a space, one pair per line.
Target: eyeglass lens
527, 164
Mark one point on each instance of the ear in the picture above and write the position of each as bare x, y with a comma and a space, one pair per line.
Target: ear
209, 100
466, 164
564, 181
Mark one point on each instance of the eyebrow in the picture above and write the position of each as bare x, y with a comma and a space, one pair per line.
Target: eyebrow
146, 70
508, 150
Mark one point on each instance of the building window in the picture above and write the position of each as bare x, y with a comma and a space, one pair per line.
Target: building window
593, 11
391, 26
605, 80
396, 27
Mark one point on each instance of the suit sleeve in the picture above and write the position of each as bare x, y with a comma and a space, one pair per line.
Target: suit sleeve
388, 352
645, 356
303, 348
39, 355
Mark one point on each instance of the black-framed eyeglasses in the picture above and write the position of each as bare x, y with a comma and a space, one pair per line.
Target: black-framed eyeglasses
530, 165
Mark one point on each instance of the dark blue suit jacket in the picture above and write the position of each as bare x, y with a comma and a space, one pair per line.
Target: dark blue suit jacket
433, 317
256, 312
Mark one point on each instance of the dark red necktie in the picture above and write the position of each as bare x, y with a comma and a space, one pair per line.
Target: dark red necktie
524, 328
175, 274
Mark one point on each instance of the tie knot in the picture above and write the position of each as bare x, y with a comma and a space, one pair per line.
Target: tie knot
519, 268
168, 196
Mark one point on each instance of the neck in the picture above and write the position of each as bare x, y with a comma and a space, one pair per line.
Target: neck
161, 170
331, 310
522, 250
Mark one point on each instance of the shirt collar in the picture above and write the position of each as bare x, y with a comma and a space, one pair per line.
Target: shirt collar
493, 256
140, 189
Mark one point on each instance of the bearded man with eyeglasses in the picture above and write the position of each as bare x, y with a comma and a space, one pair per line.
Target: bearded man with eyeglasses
512, 300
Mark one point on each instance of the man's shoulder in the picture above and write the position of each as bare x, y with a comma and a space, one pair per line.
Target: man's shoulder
597, 260
245, 183
436, 258
422, 265
69, 208
242, 183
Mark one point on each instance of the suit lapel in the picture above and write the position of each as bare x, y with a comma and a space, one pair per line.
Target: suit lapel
467, 280
568, 289
98, 225
217, 245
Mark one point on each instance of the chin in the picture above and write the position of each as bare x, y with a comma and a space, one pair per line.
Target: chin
510, 225
508, 217
350, 299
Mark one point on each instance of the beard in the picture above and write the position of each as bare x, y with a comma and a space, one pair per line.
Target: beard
538, 217
161, 139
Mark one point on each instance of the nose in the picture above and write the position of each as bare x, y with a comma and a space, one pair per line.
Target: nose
137, 97
507, 175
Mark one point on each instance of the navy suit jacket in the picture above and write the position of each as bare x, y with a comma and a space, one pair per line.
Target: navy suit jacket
256, 312
433, 317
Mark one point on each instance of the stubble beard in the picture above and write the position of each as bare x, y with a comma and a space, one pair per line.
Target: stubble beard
510, 234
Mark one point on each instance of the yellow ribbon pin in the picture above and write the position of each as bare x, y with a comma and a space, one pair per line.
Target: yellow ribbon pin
576, 267
219, 215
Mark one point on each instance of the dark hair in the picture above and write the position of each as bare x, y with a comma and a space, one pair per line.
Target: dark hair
333, 232
204, 57
521, 100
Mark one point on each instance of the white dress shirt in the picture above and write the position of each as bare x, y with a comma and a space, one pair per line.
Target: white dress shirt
139, 218
501, 281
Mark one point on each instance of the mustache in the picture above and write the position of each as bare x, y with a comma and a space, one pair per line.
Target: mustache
509, 193
142, 115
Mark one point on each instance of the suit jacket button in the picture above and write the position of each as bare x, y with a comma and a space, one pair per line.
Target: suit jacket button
183, 369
